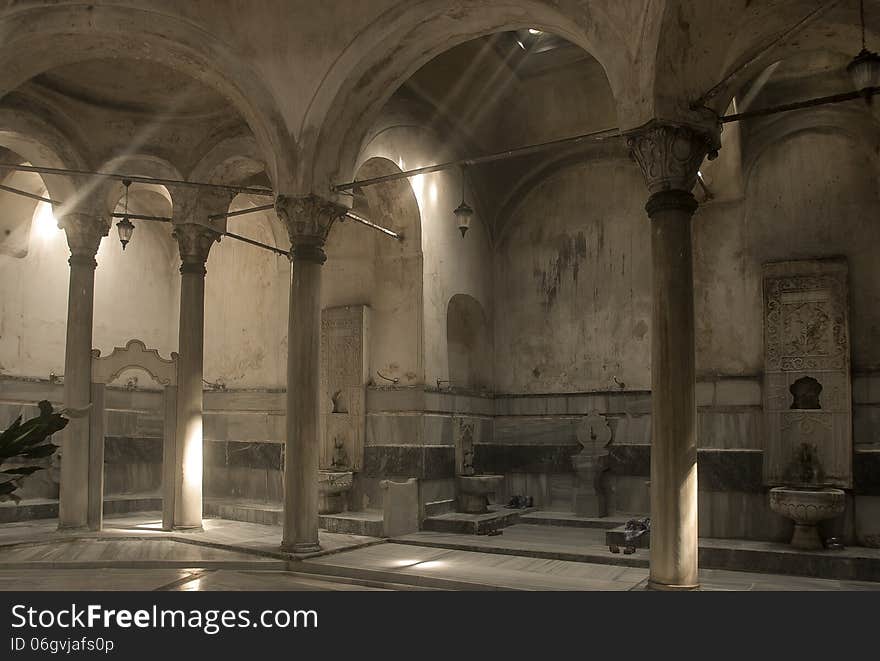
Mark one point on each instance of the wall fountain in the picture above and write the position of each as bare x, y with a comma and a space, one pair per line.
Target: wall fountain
807, 393
344, 375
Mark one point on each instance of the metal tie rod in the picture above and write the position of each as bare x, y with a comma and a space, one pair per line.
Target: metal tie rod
134, 178
363, 221
605, 134
242, 212
24, 193
237, 237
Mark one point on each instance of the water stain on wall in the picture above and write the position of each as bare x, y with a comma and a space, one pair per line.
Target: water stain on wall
568, 254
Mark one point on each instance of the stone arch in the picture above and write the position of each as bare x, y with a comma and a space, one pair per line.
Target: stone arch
399, 42
701, 44
40, 38
230, 160
140, 165
469, 344
814, 122
39, 143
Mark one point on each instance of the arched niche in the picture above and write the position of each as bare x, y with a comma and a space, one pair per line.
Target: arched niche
366, 267
137, 289
469, 344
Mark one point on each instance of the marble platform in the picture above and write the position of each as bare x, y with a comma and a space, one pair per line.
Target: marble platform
365, 523
462, 523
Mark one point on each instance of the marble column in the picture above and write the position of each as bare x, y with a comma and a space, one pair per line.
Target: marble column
670, 157
195, 243
84, 232
308, 221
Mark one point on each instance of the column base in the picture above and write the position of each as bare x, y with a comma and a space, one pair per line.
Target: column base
665, 587
301, 547
82, 528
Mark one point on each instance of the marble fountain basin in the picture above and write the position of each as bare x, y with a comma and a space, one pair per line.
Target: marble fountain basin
333, 488
807, 507
473, 491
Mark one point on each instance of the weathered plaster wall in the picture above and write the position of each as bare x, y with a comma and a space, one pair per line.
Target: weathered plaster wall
246, 302
135, 296
812, 194
452, 264
33, 301
807, 193
572, 284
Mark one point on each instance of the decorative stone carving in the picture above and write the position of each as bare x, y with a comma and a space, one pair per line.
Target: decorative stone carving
463, 432
308, 220
135, 355
807, 386
84, 233
194, 242
806, 509
200, 206
670, 155
344, 375
590, 494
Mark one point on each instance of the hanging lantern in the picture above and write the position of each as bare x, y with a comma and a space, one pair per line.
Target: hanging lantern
463, 212
865, 70
865, 67
125, 226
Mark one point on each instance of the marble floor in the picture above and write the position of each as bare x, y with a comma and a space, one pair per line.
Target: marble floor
252, 538
132, 553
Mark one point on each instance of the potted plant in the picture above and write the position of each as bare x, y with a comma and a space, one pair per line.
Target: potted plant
24, 441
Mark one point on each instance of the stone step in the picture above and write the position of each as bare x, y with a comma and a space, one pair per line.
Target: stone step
47, 508
267, 514
438, 507
369, 523
571, 520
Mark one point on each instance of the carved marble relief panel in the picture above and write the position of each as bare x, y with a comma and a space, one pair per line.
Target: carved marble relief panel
345, 371
807, 383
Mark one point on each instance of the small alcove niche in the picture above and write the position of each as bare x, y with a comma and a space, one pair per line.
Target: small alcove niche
805, 393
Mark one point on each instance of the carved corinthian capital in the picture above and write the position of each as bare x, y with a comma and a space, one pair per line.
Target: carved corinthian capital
194, 242
308, 221
84, 233
670, 156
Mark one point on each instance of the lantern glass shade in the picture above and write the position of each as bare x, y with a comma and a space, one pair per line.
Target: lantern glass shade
865, 70
463, 214
125, 229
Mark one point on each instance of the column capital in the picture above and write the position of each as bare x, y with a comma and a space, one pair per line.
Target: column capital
84, 233
308, 220
670, 155
191, 206
194, 242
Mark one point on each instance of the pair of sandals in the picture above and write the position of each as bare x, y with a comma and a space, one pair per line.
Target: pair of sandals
521, 502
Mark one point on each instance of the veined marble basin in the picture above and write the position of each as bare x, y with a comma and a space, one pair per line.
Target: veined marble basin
807, 507
473, 491
333, 488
